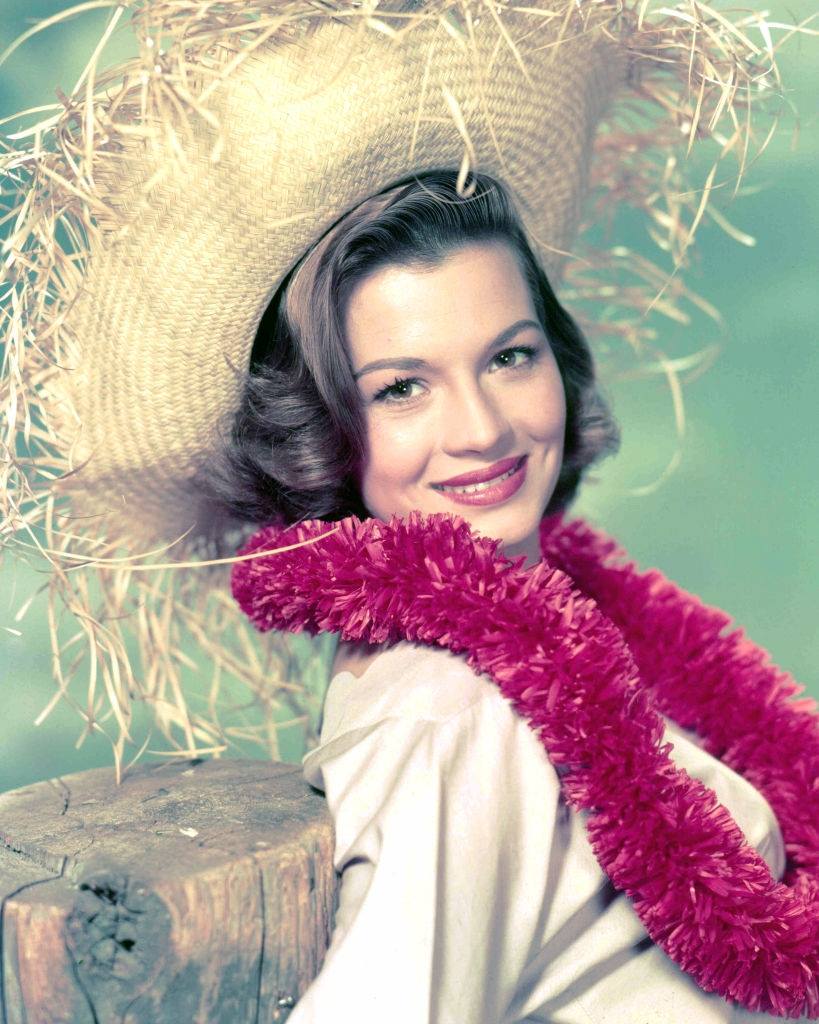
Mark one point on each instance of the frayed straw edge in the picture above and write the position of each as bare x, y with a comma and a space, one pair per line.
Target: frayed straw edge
103, 641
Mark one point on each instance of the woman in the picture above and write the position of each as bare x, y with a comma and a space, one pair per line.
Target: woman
411, 263
469, 891
157, 212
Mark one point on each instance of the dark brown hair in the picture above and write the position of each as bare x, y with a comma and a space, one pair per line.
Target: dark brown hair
296, 443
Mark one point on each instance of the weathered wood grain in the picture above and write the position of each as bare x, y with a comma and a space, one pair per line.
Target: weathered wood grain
200, 891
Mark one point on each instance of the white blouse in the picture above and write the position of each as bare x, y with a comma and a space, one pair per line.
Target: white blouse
469, 890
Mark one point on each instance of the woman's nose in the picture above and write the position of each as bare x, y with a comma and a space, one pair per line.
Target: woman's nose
473, 420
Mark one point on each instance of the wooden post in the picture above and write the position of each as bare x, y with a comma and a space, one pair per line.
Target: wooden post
200, 891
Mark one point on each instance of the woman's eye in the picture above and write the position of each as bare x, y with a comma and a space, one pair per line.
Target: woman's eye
527, 350
394, 389
395, 393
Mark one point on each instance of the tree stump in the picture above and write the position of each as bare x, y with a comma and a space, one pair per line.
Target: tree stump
200, 891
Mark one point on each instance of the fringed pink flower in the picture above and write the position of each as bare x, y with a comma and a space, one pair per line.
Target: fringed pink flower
589, 652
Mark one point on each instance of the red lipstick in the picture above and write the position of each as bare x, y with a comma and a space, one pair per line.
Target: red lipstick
481, 475
492, 493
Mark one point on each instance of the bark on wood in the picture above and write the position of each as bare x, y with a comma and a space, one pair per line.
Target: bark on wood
202, 891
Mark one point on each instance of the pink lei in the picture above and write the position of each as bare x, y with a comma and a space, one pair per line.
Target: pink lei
589, 652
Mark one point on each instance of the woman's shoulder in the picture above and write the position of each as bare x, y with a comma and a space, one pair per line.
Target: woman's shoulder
418, 695
402, 680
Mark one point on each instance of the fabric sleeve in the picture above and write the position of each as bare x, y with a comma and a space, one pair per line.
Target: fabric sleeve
444, 831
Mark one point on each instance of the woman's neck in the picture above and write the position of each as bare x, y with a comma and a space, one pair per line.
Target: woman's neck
529, 546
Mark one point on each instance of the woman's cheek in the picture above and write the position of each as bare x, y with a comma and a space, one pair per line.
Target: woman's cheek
398, 444
541, 410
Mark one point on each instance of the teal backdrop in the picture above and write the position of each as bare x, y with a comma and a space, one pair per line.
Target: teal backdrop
736, 522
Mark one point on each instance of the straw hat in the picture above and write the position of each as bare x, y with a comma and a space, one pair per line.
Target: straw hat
158, 211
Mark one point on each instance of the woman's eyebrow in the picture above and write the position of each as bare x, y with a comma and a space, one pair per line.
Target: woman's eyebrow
412, 363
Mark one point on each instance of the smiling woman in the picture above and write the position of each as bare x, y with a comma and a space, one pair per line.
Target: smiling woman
416, 278
270, 276
414, 744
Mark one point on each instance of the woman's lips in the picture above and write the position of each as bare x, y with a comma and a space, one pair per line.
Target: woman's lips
481, 475
494, 493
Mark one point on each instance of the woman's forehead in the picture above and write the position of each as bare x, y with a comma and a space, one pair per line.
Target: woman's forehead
469, 299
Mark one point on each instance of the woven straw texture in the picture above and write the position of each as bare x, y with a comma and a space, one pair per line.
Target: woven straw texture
309, 129
155, 214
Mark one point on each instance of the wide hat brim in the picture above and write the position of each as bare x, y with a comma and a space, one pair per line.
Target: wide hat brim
154, 216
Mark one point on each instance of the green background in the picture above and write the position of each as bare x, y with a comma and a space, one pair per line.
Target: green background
736, 523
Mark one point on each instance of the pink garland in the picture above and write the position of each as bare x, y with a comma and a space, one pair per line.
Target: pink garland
590, 685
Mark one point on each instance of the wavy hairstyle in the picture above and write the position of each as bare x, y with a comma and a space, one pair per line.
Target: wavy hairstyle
296, 443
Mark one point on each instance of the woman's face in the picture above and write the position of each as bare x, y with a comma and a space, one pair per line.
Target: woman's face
455, 375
